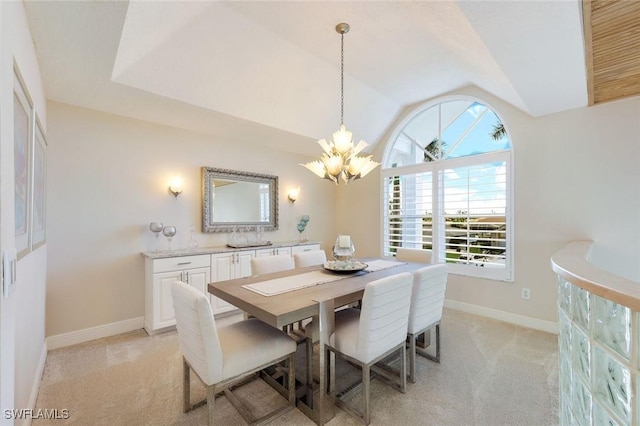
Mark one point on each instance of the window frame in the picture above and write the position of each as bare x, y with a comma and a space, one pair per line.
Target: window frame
436, 168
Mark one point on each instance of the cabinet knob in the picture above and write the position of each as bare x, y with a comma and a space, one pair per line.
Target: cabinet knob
184, 263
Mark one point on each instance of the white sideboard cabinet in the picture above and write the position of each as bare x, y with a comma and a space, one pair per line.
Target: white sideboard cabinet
198, 268
160, 273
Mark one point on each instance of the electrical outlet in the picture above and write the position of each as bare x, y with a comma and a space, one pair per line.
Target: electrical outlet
526, 293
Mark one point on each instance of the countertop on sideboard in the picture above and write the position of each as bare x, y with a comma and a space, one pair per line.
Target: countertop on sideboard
220, 249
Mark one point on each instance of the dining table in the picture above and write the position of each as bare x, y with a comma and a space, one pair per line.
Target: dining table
287, 297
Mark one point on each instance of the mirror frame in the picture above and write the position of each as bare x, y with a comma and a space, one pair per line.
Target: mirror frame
208, 223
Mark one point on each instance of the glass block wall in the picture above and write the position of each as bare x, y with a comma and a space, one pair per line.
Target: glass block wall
598, 344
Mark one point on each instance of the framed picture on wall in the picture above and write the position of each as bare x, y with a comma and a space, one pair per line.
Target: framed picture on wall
22, 119
38, 217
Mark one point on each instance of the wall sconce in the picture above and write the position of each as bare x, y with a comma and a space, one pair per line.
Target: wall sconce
175, 186
293, 194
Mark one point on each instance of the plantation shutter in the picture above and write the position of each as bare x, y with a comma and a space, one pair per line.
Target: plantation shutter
409, 211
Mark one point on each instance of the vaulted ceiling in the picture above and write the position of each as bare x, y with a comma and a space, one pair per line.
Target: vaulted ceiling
239, 69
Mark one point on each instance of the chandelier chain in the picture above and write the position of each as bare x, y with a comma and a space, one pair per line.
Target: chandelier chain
340, 160
342, 78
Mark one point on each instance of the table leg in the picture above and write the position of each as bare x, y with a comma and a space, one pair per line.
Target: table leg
326, 406
322, 407
424, 339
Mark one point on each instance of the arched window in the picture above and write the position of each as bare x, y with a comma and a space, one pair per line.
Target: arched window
447, 187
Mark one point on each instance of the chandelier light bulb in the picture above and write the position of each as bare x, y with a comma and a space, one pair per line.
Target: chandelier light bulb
342, 140
334, 165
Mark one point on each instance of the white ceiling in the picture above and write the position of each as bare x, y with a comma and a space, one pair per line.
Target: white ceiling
239, 69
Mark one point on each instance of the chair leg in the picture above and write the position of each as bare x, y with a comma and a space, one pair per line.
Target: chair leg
186, 386
309, 356
366, 392
292, 379
211, 402
412, 358
437, 357
330, 381
403, 367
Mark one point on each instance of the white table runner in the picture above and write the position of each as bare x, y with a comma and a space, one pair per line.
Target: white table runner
378, 265
309, 279
294, 282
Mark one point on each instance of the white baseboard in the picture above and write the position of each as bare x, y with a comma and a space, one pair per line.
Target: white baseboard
535, 323
106, 330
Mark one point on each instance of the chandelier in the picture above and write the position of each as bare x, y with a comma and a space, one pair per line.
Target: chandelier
340, 159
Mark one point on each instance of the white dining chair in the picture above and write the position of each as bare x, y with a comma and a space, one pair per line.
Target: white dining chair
224, 357
427, 301
413, 255
268, 264
366, 336
309, 258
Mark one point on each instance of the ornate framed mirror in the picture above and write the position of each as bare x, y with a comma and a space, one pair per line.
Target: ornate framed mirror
238, 200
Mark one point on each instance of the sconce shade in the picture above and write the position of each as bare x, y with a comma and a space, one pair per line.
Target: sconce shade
293, 194
175, 186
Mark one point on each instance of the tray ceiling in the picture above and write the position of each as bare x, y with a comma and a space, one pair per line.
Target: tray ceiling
242, 70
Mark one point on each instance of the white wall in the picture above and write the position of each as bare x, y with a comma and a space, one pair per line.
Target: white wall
108, 179
22, 314
577, 176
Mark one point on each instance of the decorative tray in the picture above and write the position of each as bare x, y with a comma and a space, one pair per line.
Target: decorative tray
344, 266
245, 245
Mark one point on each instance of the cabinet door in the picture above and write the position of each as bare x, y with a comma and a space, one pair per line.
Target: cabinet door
243, 263
265, 252
223, 267
163, 314
273, 251
198, 278
284, 250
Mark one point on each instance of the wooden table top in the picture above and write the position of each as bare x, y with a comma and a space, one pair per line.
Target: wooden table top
287, 308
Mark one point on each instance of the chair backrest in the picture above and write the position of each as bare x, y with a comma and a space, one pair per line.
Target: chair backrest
427, 298
413, 255
384, 315
309, 258
199, 342
268, 264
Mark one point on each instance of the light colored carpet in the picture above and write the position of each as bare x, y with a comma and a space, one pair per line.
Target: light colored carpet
491, 373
